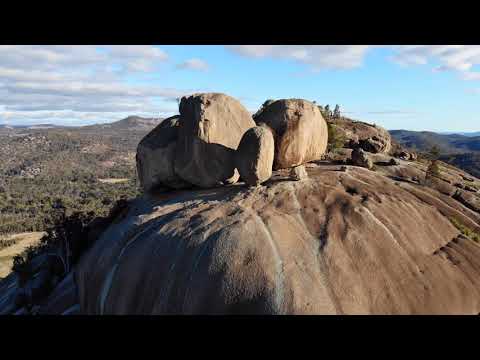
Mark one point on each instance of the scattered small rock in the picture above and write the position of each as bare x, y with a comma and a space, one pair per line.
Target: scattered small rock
394, 162
471, 188
406, 155
298, 173
467, 178
361, 158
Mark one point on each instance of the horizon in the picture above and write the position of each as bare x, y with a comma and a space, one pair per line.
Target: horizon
416, 88
443, 132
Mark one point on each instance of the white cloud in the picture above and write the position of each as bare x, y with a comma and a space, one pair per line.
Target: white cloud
461, 59
194, 64
317, 57
50, 81
458, 58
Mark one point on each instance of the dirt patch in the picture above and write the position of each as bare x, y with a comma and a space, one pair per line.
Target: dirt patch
21, 242
113, 181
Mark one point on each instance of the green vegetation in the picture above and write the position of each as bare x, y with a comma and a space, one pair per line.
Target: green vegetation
434, 152
327, 113
465, 230
336, 112
66, 238
460, 151
44, 170
433, 169
335, 139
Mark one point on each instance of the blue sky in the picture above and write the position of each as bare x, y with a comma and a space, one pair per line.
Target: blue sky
433, 88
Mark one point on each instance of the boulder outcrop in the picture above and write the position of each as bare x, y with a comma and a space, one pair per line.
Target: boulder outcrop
361, 158
300, 132
371, 138
254, 156
344, 240
406, 155
211, 127
156, 156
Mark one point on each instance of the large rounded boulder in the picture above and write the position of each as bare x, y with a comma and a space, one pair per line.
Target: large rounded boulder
211, 126
301, 133
254, 156
156, 156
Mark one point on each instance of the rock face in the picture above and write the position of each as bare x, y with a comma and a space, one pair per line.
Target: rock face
406, 155
300, 132
361, 158
211, 126
156, 156
469, 200
374, 145
393, 162
254, 156
370, 138
352, 242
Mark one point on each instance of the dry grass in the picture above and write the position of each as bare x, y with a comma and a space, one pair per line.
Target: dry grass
18, 243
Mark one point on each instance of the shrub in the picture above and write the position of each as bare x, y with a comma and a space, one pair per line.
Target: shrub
68, 237
465, 230
335, 140
433, 170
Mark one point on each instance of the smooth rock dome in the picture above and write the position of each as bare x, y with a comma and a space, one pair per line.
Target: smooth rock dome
338, 242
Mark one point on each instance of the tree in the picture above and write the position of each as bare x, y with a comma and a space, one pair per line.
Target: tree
336, 112
327, 111
433, 169
434, 153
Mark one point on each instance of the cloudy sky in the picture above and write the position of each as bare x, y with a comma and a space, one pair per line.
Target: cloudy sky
410, 87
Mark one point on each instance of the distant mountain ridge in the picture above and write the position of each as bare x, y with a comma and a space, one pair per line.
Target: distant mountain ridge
33, 126
459, 150
469, 134
129, 123
448, 143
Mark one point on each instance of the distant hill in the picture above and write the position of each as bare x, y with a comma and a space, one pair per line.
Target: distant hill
129, 123
459, 150
34, 126
87, 168
424, 140
472, 134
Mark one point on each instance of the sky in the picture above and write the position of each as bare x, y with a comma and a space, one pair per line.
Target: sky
418, 87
